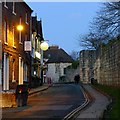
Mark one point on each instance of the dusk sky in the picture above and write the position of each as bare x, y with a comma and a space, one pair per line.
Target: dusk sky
64, 22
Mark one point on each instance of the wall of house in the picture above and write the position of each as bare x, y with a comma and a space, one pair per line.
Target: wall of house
70, 74
14, 56
56, 70
51, 71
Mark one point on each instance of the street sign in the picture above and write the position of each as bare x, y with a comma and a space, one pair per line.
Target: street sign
27, 46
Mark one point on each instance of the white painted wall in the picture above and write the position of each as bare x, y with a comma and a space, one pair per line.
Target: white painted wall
54, 72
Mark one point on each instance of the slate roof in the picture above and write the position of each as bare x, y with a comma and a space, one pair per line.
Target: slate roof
57, 55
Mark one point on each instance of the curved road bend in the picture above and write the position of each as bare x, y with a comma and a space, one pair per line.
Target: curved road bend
54, 103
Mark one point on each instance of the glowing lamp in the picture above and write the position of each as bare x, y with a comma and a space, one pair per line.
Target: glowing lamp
44, 46
20, 27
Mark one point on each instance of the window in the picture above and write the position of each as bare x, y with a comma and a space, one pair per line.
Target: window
57, 68
5, 4
26, 18
20, 71
13, 34
26, 37
25, 72
20, 35
14, 8
5, 32
65, 70
13, 70
6, 72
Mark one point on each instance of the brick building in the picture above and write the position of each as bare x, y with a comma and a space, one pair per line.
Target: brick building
15, 60
36, 53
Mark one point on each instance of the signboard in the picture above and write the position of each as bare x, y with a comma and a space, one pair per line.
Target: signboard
27, 46
38, 55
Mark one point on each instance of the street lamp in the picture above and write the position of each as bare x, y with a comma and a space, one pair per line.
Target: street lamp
19, 27
44, 46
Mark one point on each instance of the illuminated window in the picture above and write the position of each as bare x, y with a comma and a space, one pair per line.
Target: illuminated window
13, 69
20, 35
13, 36
5, 31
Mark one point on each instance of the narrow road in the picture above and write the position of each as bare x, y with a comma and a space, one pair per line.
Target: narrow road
54, 103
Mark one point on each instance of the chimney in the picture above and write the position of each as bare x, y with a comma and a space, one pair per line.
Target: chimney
54, 47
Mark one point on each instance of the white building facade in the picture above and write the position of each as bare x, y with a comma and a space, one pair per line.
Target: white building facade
58, 61
56, 70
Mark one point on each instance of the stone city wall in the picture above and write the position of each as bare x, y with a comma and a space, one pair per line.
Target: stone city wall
110, 64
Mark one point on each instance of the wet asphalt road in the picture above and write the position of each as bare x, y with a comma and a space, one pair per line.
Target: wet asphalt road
52, 104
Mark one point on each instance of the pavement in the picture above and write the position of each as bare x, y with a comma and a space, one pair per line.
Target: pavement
34, 91
98, 105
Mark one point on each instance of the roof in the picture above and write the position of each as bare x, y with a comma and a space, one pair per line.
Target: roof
26, 5
37, 26
56, 55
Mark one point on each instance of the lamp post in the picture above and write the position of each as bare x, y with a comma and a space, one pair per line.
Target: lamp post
20, 29
43, 47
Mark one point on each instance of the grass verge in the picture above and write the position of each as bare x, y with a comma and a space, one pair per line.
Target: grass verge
114, 92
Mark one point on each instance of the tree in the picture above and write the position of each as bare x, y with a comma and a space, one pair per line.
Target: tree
107, 22
74, 55
105, 26
90, 41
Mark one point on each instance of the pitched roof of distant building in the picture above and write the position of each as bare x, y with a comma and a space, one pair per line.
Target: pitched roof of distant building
57, 55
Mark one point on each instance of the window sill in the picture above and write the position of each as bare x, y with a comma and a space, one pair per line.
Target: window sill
6, 6
20, 43
13, 81
14, 13
14, 47
6, 43
27, 23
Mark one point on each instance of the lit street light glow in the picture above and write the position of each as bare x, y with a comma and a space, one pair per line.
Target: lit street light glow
44, 46
20, 27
